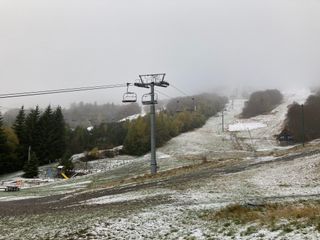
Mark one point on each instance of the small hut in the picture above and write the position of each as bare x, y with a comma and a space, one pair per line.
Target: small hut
285, 137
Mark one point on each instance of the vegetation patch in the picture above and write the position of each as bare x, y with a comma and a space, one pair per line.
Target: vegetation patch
302, 121
182, 115
275, 216
261, 102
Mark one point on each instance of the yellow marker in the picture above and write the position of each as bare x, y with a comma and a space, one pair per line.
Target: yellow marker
65, 176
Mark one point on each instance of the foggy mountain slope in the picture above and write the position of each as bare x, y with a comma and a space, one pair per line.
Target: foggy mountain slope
264, 138
116, 203
210, 141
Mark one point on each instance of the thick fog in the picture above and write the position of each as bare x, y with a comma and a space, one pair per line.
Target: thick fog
201, 45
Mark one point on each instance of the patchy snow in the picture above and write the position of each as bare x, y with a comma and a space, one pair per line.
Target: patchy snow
177, 218
125, 197
14, 198
77, 156
245, 126
133, 117
265, 159
299, 177
72, 185
90, 128
108, 163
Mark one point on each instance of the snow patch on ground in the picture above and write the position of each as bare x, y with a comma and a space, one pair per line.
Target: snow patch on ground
245, 126
72, 185
132, 117
124, 197
14, 198
300, 177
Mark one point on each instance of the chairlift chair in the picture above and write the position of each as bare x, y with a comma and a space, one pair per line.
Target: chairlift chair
146, 99
129, 97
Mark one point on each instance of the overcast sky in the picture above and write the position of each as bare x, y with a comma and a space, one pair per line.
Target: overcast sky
201, 45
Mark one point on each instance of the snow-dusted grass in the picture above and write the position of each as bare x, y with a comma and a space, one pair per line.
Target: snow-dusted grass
127, 197
277, 218
299, 177
245, 126
175, 212
14, 198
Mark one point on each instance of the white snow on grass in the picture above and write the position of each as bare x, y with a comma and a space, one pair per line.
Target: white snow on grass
298, 177
72, 185
159, 222
245, 126
265, 159
125, 197
102, 165
14, 198
132, 117
177, 219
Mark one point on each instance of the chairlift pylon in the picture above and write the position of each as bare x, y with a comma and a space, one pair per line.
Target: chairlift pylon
178, 109
129, 97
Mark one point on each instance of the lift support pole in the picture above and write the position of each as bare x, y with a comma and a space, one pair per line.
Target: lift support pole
150, 81
153, 133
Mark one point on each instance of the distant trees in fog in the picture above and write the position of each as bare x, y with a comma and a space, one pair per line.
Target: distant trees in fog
304, 123
85, 114
181, 115
261, 102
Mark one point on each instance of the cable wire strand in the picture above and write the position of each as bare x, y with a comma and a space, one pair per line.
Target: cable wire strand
163, 94
179, 90
62, 90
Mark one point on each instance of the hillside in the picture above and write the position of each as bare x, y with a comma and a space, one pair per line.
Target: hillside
207, 177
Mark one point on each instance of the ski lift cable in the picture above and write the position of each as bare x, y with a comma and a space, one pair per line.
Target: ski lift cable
163, 94
179, 90
62, 90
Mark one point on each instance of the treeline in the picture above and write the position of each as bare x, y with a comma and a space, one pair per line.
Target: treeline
42, 134
206, 104
304, 123
86, 114
135, 135
261, 102
51, 139
103, 136
193, 113
137, 140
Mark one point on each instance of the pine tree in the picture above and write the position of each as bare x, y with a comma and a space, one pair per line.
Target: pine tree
46, 132
67, 163
19, 128
19, 125
4, 150
33, 130
58, 134
31, 167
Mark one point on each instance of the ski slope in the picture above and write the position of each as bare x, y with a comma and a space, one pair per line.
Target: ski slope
250, 168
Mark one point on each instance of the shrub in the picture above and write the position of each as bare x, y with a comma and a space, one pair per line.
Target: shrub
261, 102
310, 116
